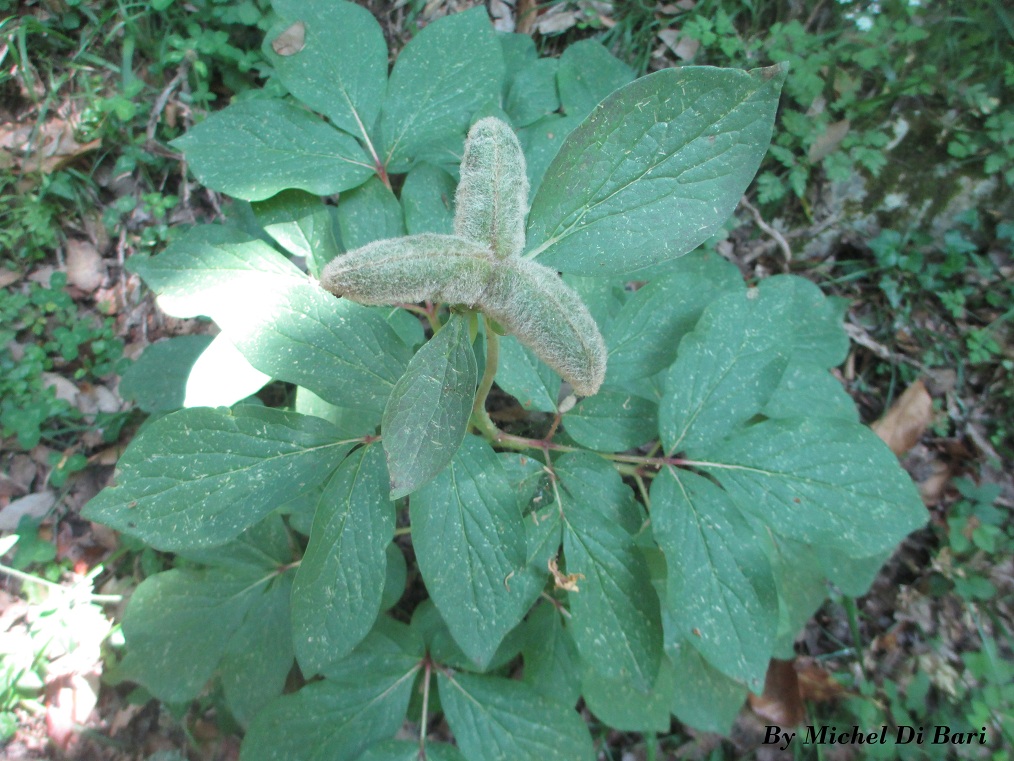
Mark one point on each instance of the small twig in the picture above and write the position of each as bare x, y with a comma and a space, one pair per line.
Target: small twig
56, 587
161, 101
777, 236
864, 339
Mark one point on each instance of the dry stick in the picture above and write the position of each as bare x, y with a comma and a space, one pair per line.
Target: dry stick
861, 337
151, 144
777, 236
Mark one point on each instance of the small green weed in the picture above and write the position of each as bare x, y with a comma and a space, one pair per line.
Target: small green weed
42, 332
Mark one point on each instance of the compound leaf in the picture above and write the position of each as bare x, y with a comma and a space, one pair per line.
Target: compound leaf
368, 213
259, 656
157, 380
447, 72
587, 74
612, 421
655, 170
428, 410
469, 540
199, 477
532, 92
301, 224
526, 377
642, 338
496, 719
362, 700
720, 590
725, 371
428, 200
284, 323
615, 616
805, 478
222, 376
403, 750
620, 705
341, 69
552, 665
256, 148
337, 593
184, 616
704, 697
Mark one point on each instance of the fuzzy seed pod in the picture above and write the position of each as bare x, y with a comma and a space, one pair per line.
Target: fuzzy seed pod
533, 303
415, 268
492, 196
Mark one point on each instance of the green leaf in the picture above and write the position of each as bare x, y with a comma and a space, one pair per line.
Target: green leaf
604, 297
427, 413
222, 376
184, 616
451, 69
526, 377
282, 322
594, 483
428, 200
720, 589
853, 575
588, 73
541, 142
615, 619
618, 704
469, 541
802, 588
496, 719
809, 390
518, 51
403, 750
662, 163
805, 478
543, 535
198, 477
703, 697
259, 656
552, 665
352, 423
337, 593
157, 380
368, 213
256, 148
341, 69
265, 546
612, 421
302, 225
818, 336
532, 93
642, 338
725, 371
395, 577
362, 700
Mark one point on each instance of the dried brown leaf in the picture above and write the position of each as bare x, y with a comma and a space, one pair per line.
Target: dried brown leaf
290, 41
907, 420
828, 142
85, 268
31, 505
816, 685
781, 702
566, 582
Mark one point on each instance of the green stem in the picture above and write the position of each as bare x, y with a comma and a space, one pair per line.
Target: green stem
481, 418
651, 743
424, 719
